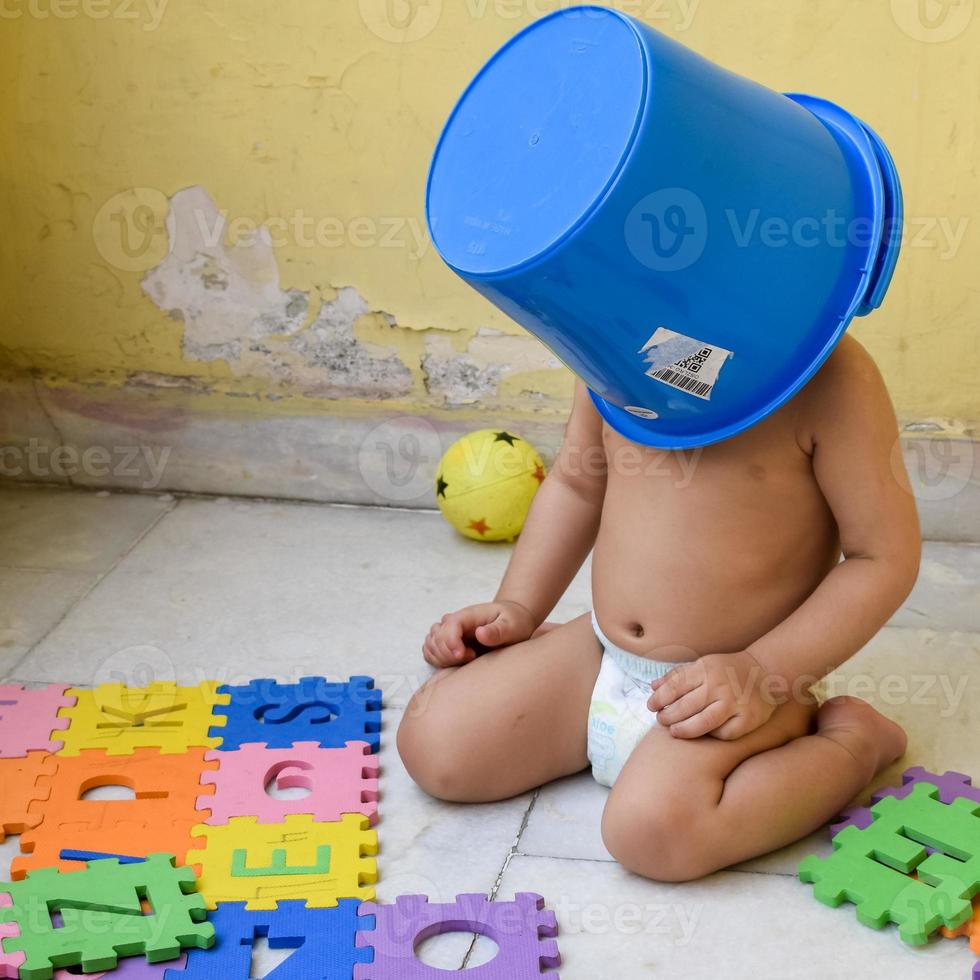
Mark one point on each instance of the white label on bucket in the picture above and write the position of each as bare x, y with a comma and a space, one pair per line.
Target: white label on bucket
684, 363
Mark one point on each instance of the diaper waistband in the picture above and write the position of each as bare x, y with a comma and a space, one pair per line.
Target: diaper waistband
639, 668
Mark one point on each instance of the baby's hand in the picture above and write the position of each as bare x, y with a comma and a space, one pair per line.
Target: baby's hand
453, 641
720, 695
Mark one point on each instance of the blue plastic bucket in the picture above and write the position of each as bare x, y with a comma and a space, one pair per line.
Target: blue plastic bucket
690, 243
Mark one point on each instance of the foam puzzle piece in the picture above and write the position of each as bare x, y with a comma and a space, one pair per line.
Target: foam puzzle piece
951, 785
522, 929
128, 969
970, 928
160, 818
976, 971
101, 915
10, 963
30, 718
265, 712
871, 867
24, 780
323, 939
260, 864
340, 781
122, 719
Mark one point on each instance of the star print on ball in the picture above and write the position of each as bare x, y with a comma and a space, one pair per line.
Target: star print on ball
486, 482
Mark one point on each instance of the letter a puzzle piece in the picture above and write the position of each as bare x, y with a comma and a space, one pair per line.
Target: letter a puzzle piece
122, 719
276, 715
24, 781
159, 818
522, 929
28, 719
101, 915
259, 864
323, 940
339, 780
870, 867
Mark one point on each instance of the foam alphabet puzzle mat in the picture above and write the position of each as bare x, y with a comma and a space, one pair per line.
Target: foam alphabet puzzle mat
172, 832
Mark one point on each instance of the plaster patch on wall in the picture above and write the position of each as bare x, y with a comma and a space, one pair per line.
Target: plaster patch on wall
234, 309
476, 374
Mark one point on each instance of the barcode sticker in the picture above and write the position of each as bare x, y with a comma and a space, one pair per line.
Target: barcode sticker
684, 363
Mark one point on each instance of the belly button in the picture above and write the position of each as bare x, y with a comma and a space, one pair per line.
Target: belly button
637, 630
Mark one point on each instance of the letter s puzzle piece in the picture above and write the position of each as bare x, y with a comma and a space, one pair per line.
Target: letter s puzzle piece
28, 718
340, 781
871, 867
259, 864
276, 715
159, 818
25, 780
163, 716
522, 929
323, 940
101, 915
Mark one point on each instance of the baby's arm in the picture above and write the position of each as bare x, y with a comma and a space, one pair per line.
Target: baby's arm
560, 531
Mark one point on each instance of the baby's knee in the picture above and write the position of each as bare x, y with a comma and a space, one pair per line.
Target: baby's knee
662, 840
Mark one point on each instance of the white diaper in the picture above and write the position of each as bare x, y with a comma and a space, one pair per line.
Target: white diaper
619, 716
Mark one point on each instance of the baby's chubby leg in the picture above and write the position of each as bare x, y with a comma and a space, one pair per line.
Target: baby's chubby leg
508, 722
682, 809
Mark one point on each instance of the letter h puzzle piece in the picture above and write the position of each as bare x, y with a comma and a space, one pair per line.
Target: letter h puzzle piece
276, 715
340, 781
871, 867
159, 818
522, 929
323, 940
28, 719
260, 864
92, 917
163, 716
25, 780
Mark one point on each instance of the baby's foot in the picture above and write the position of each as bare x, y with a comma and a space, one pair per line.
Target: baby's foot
871, 738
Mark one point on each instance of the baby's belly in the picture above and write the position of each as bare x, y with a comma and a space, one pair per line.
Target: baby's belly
678, 582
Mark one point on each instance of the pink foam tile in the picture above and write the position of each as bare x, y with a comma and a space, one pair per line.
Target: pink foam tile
340, 780
9, 962
28, 718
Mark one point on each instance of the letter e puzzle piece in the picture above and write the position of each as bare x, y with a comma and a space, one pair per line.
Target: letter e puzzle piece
29, 718
323, 940
260, 864
92, 917
24, 780
163, 716
343, 780
276, 715
871, 867
159, 818
522, 929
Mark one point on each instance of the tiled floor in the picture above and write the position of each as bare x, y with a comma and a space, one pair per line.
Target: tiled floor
96, 587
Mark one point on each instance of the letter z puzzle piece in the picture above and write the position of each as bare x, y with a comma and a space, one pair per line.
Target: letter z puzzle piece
163, 716
522, 929
323, 940
28, 719
25, 781
314, 710
871, 867
339, 780
259, 864
159, 818
92, 917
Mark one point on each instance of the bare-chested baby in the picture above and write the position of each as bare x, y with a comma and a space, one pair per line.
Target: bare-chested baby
720, 596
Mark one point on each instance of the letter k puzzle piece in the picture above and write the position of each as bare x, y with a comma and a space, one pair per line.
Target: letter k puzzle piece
164, 716
259, 864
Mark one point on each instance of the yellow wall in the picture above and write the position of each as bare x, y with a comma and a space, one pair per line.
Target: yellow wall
320, 111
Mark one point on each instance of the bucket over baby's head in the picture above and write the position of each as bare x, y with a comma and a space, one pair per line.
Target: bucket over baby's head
690, 243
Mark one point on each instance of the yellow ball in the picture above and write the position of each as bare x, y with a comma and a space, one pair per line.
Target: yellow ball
486, 482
